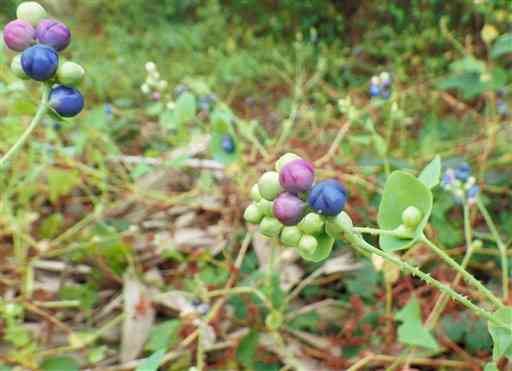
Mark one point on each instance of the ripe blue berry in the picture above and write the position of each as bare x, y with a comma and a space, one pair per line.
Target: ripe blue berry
228, 144
374, 90
40, 62
53, 33
463, 172
328, 197
68, 102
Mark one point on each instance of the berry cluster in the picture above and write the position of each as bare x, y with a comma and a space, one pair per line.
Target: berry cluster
380, 85
288, 205
40, 40
461, 183
154, 86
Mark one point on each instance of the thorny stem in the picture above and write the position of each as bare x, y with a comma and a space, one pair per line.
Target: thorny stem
501, 246
41, 111
357, 240
464, 273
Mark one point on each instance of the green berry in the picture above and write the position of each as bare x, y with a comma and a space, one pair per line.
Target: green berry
31, 12
308, 244
17, 69
338, 224
253, 214
70, 73
255, 193
270, 227
312, 223
411, 217
274, 320
265, 207
404, 232
290, 236
269, 185
284, 159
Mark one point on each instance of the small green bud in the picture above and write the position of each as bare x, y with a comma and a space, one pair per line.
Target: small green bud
284, 159
31, 12
338, 224
253, 214
269, 185
274, 320
270, 227
17, 69
308, 244
312, 223
290, 236
477, 244
411, 217
404, 232
255, 193
70, 73
265, 207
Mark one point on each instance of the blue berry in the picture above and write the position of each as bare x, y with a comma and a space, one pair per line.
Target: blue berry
374, 90
68, 102
40, 62
385, 93
473, 192
228, 144
328, 197
463, 172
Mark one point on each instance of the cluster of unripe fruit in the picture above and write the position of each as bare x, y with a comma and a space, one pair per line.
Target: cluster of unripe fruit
40, 40
289, 205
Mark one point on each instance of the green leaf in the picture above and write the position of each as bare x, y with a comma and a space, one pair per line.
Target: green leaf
185, 108
325, 244
217, 151
491, 366
5, 368
502, 334
431, 174
59, 363
411, 331
502, 45
246, 351
152, 362
61, 182
363, 282
401, 191
164, 335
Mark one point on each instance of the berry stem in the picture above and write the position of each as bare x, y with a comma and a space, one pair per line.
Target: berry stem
464, 273
501, 246
357, 241
376, 231
41, 111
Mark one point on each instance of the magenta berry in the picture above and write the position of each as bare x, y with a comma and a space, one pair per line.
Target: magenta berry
297, 176
19, 35
288, 208
53, 33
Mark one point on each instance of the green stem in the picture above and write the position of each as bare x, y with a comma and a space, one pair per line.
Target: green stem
357, 240
41, 111
501, 246
464, 273
376, 231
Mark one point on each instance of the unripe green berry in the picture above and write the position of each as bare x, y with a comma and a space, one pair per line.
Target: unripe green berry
404, 232
270, 227
17, 69
477, 244
253, 214
312, 223
265, 207
338, 224
308, 244
70, 73
274, 320
284, 159
255, 193
269, 185
290, 236
411, 217
31, 12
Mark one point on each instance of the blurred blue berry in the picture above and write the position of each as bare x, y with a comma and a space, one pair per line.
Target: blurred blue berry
385, 93
228, 144
68, 102
328, 197
374, 90
40, 62
463, 172
473, 192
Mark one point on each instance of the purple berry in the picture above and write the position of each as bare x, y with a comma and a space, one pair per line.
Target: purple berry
328, 197
40, 62
297, 176
66, 101
288, 208
19, 35
54, 34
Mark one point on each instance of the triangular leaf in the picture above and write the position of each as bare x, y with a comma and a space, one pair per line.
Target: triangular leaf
401, 191
431, 174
